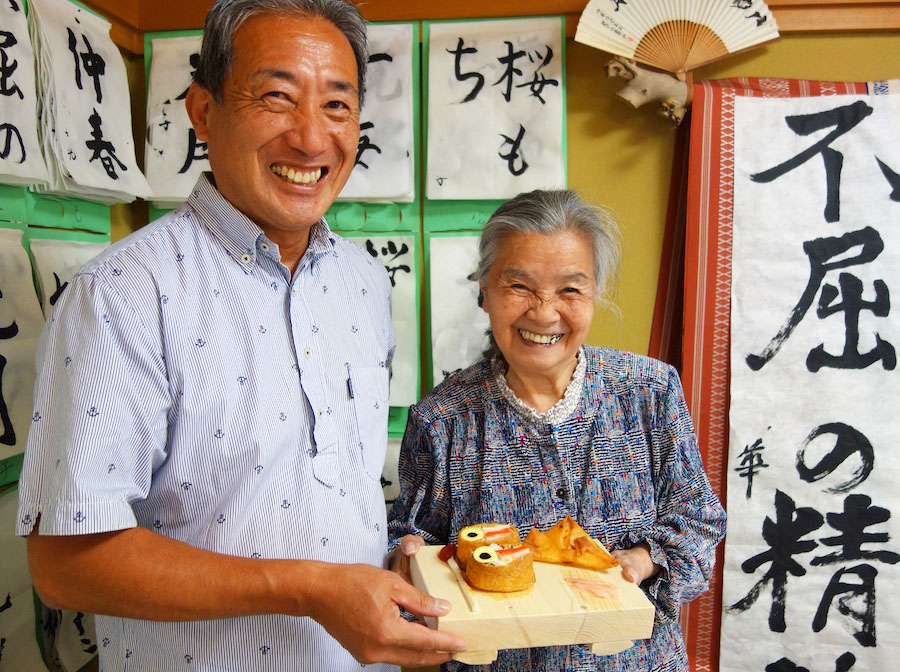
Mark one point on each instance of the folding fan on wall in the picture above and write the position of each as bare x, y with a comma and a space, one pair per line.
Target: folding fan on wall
675, 35
672, 35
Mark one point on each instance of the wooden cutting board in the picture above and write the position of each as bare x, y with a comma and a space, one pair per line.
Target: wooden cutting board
551, 612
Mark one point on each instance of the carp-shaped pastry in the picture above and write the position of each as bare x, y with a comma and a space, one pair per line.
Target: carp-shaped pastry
484, 534
567, 543
502, 570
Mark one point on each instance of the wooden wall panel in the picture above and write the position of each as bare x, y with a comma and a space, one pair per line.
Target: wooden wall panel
132, 18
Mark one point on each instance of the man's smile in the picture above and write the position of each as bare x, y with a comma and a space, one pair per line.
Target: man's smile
298, 176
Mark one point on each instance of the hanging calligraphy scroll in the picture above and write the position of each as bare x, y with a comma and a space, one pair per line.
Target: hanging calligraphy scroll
398, 252
21, 161
173, 156
17, 632
496, 108
56, 262
85, 107
458, 326
20, 326
791, 252
385, 168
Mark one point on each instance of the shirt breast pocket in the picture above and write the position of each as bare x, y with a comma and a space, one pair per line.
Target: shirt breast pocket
369, 387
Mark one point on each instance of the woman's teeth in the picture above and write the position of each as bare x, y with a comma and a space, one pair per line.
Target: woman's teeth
296, 176
539, 338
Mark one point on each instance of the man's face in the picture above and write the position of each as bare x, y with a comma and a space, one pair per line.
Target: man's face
284, 141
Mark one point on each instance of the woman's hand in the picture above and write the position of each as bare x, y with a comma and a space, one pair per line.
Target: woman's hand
636, 564
399, 560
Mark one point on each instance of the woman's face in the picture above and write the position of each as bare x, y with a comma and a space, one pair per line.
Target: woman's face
540, 300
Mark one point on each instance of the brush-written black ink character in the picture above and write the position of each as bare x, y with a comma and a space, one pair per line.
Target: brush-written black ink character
461, 76
93, 63
843, 119
829, 254
784, 536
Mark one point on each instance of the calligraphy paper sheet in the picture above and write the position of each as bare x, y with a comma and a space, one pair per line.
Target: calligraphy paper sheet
20, 326
173, 156
385, 157
56, 262
495, 108
398, 254
21, 161
458, 325
812, 556
20, 650
85, 107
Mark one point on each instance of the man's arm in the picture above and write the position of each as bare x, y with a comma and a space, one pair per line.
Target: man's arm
136, 573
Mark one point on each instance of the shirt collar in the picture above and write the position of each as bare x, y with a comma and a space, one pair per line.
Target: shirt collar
242, 239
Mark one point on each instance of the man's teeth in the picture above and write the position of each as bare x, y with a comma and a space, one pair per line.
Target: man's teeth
296, 176
539, 338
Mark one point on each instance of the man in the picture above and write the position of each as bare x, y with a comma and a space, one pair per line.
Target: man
210, 415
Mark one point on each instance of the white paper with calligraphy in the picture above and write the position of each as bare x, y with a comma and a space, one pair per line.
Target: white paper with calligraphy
398, 254
458, 325
21, 161
173, 156
495, 108
20, 652
385, 157
85, 105
56, 262
20, 327
812, 556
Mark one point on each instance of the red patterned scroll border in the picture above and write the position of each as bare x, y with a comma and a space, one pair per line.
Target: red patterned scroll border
707, 300
665, 334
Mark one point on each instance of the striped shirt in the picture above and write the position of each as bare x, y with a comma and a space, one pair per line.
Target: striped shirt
623, 463
187, 384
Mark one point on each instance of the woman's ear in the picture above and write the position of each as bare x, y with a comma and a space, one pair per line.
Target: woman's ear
482, 297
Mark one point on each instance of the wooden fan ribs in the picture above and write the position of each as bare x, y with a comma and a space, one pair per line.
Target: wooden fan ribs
679, 45
676, 36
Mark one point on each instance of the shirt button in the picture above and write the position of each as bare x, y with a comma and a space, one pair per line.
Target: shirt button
321, 412
246, 258
264, 247
308, 353
293, 292
562, 493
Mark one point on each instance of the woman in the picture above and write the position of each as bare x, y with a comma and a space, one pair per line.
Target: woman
546, 426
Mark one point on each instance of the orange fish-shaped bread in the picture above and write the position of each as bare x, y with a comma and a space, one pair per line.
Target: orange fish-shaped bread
566, 543
499, 569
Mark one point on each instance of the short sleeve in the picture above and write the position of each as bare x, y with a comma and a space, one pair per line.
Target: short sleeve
100, 413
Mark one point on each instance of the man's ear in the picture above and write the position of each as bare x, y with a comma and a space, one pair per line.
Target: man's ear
198, 103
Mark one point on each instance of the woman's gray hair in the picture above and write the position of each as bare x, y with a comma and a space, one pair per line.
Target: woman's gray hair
549, 212
226, 16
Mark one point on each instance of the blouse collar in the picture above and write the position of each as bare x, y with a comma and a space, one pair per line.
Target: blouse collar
557, 413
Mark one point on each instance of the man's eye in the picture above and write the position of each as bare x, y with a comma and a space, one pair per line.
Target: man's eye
336, 104
277, 95
571, 290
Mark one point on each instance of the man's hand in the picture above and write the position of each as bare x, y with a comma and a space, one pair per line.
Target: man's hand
399, 559
359, 606
636, 564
